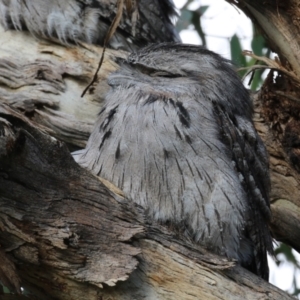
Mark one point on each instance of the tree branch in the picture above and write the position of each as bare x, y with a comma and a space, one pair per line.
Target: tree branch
72, 238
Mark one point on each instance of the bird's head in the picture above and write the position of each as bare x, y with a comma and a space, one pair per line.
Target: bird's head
180, 70
161, 63
176, 60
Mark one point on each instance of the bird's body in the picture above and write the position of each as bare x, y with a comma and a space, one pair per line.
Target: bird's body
73, 21
175, 133
176, 136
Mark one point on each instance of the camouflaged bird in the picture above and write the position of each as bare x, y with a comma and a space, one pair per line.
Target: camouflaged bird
74, 21
176, 136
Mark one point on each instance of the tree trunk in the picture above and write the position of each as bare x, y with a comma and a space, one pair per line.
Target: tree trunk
66, 234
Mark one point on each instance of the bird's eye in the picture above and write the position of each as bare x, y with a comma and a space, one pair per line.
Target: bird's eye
164, 74
154, 72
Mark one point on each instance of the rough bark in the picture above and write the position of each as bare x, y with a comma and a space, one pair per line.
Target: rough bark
70, 237
45, 81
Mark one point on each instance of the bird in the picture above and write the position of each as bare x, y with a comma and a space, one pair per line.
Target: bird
176, 135
73, 21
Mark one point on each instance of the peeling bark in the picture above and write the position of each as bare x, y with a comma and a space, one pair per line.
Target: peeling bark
70, 237
45, 81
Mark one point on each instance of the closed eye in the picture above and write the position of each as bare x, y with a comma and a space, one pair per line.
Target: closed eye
154, 72
164, 74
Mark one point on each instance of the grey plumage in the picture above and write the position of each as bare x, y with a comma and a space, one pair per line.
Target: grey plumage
175, 134
72, 21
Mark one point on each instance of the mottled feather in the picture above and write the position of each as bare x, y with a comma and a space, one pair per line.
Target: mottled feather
176, 135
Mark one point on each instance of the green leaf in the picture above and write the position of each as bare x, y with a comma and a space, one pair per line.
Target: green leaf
258, 44
287, 252
196, 21
187, 4
257, 78
202, 9
185, 20
236, 54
